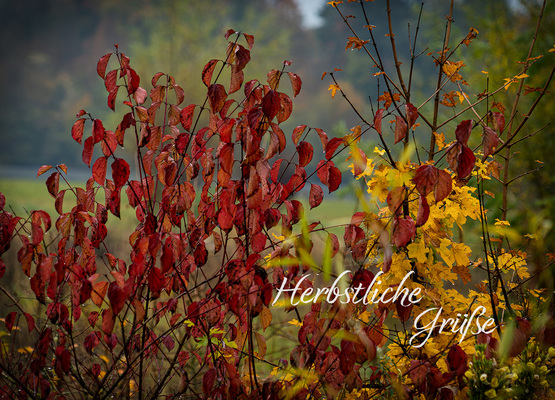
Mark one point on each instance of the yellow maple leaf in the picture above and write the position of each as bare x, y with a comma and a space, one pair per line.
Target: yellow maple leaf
334, 3
334, 88
440, 140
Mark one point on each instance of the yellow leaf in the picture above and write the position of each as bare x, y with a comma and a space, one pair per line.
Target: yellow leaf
419, 251
333, 88
440, 140
378, 151
295, 322
265, 317
334, 3
261, 341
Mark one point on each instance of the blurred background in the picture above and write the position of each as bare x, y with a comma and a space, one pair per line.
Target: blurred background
50, 49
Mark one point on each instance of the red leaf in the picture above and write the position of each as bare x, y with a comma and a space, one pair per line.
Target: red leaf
457, 360
296, 83
2, 268
10, 320
297, 133
378, 120
30, 321
112, 99
156, 281
155, 78
400, 129
423, 211
489, 141
120, 172
467, 159
316, 195
323, 137
395, 199
249, 39
462, 133
109, 144
216, 97
98, 131
412, 114
286, 108
273, 78
45, 339
258, 242
88, 151
461, 160
102, 63
362, 278
228, 33
418, 371
208, 71
334, 179
323, 170
208, 380
140, 95
99, 170
242, 57
91, 342
404, 230
271, 104
110, 81
331, 146
274, 172
133, 81
43, 169
237, 78
53, 184
200, 255
403, 311
498, 121
425, 179
305, 151
117, 297
186, 116
77, 130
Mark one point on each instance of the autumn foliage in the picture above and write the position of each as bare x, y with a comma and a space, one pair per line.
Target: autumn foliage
222, 199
